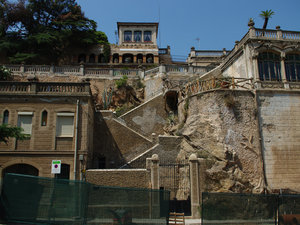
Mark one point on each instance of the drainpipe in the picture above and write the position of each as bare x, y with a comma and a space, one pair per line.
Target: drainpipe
76, 137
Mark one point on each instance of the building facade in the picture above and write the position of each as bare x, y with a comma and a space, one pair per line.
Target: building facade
58, 117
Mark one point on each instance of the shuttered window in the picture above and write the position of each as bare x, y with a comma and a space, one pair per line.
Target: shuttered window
25, 121
65, 125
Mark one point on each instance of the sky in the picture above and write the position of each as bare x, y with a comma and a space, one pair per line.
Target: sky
204, 24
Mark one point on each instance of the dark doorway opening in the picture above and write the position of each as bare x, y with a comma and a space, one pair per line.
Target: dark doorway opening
21, 169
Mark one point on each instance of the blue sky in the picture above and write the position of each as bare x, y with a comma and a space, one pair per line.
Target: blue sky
217, 23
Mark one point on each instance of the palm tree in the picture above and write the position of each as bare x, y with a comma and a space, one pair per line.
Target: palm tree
266, 15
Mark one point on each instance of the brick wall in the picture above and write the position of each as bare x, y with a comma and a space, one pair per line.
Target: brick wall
280, 129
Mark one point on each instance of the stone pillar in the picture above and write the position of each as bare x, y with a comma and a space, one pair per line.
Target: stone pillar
52, 68
81, 70
154, 172
135, 59
22, 68
155, 59
279, 33
120, 59
282, 71
195, 189
162, 69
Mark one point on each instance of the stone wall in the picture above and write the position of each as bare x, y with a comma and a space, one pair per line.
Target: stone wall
147, 118
279, 114
135, 178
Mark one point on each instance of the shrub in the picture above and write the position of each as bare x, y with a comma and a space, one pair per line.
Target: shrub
122, 82
5, 73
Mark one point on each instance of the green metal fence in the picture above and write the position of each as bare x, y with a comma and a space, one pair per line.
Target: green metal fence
37, 200
242, 209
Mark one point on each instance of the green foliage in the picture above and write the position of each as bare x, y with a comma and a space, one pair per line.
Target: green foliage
5, 73
120, 110
267, 14
44, 31
122, 82
107, 97
7, 132
139, 84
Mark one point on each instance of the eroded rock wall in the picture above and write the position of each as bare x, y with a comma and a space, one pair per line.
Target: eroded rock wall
222, 128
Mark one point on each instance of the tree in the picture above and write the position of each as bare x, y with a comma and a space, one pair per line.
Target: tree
266, 15
44, 31
7, 132
5, 74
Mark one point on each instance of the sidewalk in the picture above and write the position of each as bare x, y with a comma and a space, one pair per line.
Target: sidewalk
192, 221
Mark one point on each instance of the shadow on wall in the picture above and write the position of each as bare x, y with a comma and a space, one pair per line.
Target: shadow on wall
106, 152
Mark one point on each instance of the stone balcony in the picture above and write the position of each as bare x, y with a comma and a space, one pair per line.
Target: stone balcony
44, 88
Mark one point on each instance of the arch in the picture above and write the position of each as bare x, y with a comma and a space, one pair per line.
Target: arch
171, 98
81, 58
22, 161
269, 66
116, 58
127, 58
5, 117
44, 118
139, 58
292, 66
149, 58
92, 58
21, 168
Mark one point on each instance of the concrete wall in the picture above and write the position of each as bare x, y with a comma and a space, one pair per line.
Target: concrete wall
137, 178
279, 114
147, 118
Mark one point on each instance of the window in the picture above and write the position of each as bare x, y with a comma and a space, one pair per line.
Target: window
269, 66
44, 118
292, 67
25, 121
5, 117
147, 36
127, 35
65, 125
137, 36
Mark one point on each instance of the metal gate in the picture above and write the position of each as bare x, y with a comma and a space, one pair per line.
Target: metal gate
175, 177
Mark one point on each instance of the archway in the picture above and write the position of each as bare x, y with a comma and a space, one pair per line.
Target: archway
139, 58
115, 58
81, 58
149, 58
127, 58
171, 101
21, 168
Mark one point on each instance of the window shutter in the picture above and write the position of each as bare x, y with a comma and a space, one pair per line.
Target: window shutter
25, 121
65, 126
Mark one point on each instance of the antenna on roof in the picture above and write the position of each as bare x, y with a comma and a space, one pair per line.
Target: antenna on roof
198, 40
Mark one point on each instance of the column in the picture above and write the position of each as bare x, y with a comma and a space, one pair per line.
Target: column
255, 70
120, 59
155, 172
195, 190
283, 72
135, 59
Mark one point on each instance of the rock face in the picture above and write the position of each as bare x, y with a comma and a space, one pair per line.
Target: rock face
221, 127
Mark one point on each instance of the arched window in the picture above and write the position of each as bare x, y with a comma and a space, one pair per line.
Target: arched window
137, 36
139, 58
269, 66
92, 58
115, 58
127, 36
44, 118
149, 58
81, 58
292, 67
5, 117
147, 36
127, 58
